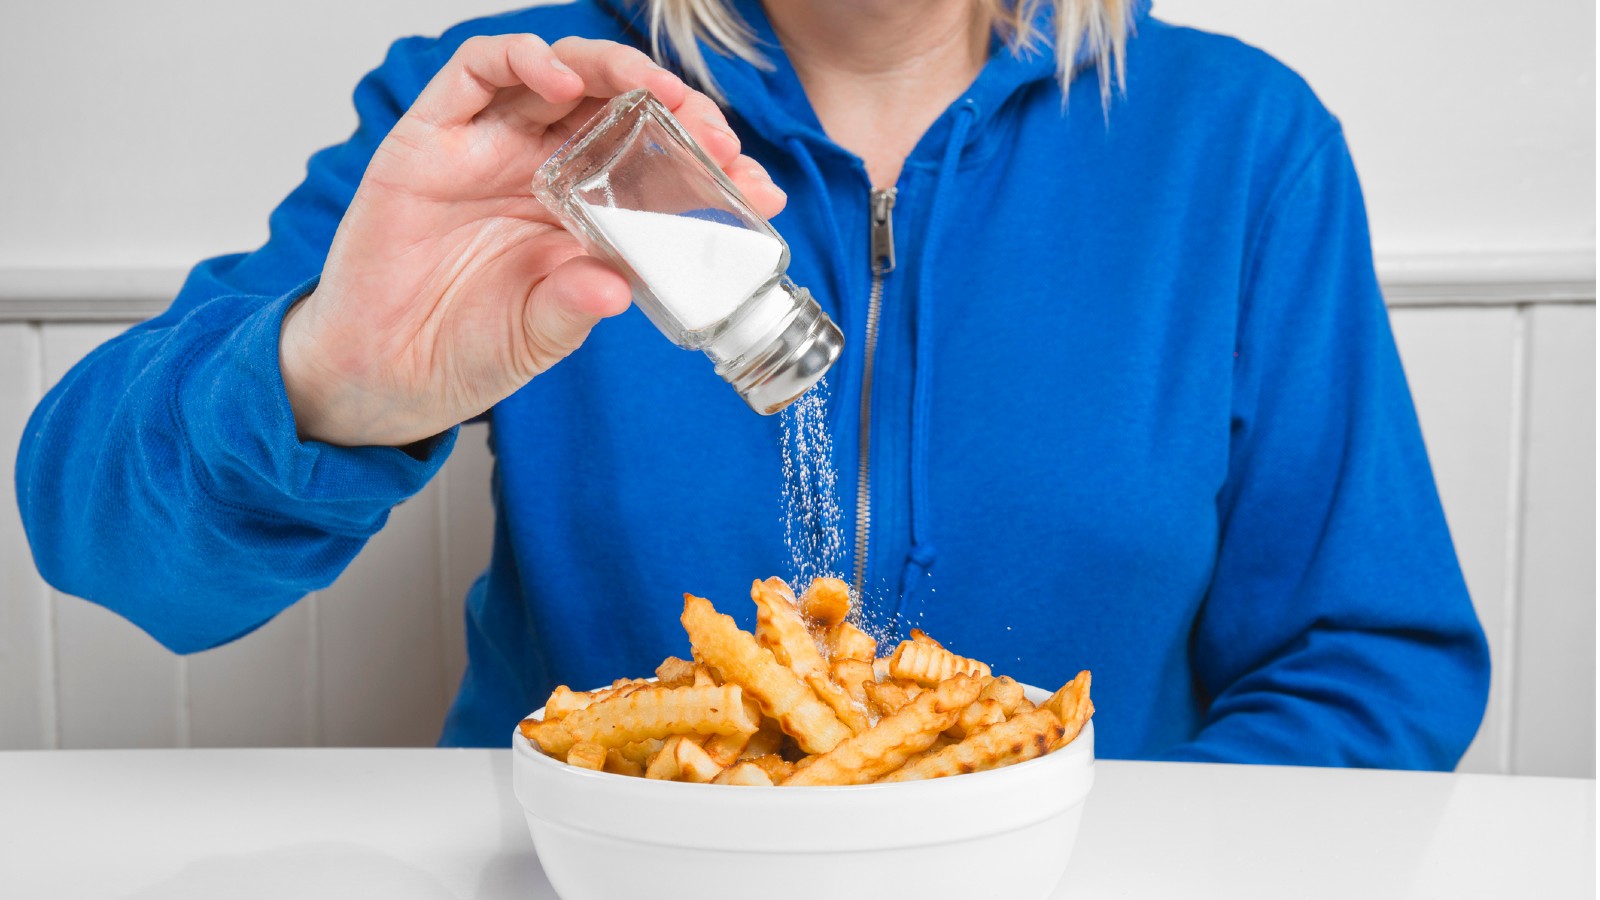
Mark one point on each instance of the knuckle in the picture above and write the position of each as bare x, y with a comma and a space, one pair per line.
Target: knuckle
475, 45
529, 41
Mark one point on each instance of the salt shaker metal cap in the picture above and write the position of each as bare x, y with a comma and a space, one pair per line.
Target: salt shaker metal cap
636, 190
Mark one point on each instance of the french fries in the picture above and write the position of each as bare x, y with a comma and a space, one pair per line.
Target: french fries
1015, 740
740, 660
645, 714
803, 701
869, 756
826, 601
928, 664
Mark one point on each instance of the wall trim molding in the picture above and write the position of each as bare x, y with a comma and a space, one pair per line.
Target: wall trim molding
1497, 279
135, 293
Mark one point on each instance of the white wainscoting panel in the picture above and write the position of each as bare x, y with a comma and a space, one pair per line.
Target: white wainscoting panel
1461, 364
378, 636
466, 533
116, 687
1554, 701
260, 691
27, 688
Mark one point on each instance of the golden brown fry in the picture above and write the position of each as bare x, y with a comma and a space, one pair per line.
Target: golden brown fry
826, 601
703, 677
928, 665
652, 713
782, 587
1004, 690
979, 715
744, 774
768, 739
675, 672
725, 749
618, 764
1071, 707
587, 756
886, 697
694, 765
640, 752
846, 641
921, 637
624, 683
742, 661
853, 675
939, 743
663, 764
780, 629
880, 668
564, 700
1022, 737
886, 746
776, 767
855, 716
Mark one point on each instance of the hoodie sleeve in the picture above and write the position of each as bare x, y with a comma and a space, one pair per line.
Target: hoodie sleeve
1338, 630
162, 477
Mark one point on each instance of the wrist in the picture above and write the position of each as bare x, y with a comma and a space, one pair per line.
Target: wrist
311, 385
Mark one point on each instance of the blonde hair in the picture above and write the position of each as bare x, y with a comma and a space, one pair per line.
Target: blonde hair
1096, 29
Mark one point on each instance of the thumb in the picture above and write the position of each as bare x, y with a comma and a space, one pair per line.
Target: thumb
567, 303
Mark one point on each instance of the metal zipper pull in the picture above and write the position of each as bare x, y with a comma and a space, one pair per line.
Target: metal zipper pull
883, 230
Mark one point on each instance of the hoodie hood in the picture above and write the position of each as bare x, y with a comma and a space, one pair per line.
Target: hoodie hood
773, 101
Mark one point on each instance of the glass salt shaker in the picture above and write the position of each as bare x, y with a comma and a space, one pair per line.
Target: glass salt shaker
636, 191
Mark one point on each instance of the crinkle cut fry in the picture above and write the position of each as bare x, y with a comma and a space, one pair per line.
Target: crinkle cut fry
826, 601
675, 672
1004, 690
694, 764
853, 675
648, 713
780, 628
744, 774
928, 665
886, 746
725, 749
981, 714
740, 660
846, 641
886, 696
1021, 737
1072, 708
587, 756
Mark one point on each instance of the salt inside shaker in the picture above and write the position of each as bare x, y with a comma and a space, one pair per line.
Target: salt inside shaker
636, 191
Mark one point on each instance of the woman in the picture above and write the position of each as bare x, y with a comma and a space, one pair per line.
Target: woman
1129, 401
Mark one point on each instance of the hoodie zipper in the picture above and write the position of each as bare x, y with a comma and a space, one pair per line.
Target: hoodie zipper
881, 208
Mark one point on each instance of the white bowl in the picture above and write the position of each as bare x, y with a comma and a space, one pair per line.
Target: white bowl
1006, 833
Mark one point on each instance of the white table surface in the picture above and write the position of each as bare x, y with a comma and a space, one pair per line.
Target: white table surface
402, 824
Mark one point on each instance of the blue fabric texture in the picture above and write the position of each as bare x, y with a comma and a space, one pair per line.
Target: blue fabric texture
1137, 409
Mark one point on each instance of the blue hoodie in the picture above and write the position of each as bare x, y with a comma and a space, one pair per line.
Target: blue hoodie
1136, 408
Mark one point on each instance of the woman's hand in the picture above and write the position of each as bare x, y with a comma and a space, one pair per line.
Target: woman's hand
448, 285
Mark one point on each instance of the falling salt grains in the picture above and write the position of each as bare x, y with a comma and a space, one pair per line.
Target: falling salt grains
812, 524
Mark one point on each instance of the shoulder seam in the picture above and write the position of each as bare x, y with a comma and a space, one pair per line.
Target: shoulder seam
1274, 207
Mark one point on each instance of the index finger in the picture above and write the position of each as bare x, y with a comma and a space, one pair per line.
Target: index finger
609, 69
483, 66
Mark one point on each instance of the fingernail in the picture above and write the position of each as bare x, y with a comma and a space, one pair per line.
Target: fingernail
561, 67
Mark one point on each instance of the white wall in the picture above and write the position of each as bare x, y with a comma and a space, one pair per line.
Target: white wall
1471, 121
174, 125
